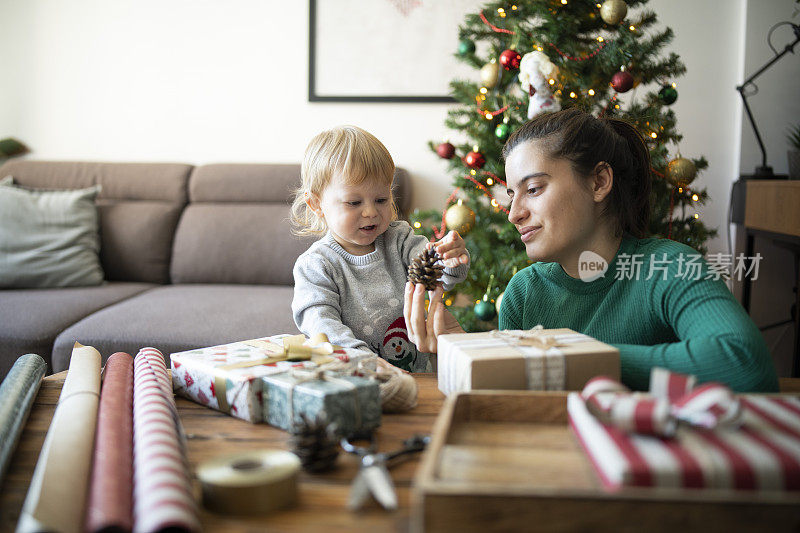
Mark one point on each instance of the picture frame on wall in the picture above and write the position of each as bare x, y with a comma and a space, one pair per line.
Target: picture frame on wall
385, 50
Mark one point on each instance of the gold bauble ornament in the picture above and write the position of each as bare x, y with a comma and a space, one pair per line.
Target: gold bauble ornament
681, 171
490, 73
460, 218
613, 11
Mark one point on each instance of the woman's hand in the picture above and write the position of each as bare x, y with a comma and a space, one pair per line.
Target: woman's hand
452, 249
422, 329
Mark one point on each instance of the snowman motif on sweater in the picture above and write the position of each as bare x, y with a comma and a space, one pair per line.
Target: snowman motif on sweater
397, 349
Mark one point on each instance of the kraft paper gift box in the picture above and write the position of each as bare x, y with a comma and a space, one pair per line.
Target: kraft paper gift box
351, 403
536, 359
681, 436
226, 377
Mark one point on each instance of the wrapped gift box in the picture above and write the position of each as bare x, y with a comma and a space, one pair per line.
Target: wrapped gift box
352, 403
537, 359
758, 450
227, 377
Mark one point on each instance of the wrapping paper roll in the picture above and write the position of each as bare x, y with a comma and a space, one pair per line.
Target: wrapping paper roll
17, 393
110, 503
162, 495
249, 483
56, 498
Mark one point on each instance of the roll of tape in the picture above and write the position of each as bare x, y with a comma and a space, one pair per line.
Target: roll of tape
254, 482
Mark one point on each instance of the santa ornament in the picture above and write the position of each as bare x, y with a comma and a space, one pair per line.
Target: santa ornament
535, 71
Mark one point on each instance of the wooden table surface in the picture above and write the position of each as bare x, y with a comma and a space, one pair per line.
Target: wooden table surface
323, 497
322, 503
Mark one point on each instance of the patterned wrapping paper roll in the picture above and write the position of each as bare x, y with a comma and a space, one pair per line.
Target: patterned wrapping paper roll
56, 498
110, 503
17, 393
162, 487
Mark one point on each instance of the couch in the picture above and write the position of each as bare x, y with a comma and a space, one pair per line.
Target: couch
192, 257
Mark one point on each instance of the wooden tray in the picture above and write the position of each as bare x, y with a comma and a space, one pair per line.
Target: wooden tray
509, 461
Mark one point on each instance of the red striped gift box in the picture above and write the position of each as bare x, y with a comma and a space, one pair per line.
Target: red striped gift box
682, 436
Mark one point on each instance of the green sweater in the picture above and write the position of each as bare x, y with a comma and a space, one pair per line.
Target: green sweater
672, 320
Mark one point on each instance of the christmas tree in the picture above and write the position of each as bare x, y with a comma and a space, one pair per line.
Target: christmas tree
537, 56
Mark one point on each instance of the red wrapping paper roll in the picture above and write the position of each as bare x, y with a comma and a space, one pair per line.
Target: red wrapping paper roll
110, 504
162, 487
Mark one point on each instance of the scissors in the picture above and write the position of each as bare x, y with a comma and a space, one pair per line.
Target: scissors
373, 476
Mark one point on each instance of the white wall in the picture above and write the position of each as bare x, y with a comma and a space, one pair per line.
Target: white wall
188, 81
210, 80
775, 107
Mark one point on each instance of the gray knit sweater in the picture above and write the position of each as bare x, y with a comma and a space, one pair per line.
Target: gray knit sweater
357, 300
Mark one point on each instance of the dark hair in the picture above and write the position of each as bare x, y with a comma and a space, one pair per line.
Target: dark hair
586, 141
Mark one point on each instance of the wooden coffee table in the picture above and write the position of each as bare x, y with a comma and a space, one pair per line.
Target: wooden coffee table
322, 501
323, 497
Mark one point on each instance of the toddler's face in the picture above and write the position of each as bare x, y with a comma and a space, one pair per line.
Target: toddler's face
356, 214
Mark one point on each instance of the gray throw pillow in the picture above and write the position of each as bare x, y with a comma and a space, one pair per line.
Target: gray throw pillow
48, 238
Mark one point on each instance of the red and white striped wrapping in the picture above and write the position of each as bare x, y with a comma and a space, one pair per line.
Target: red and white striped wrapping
749, 443
162, 487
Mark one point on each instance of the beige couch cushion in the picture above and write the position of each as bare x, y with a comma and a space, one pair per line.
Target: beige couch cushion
175, 318
235, 228
138, 208
32, 318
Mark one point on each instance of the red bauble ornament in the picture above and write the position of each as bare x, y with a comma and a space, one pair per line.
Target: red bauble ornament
446, 150
475, 160
510, 59
622, 81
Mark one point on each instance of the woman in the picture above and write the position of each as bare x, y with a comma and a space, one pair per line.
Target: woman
580, 198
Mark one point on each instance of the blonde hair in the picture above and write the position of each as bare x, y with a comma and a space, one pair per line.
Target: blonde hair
348, 150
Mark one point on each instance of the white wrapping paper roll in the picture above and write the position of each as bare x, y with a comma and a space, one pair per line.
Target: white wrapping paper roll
250, 482
162, 495
56, 497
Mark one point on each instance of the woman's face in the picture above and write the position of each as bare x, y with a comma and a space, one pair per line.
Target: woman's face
552, 208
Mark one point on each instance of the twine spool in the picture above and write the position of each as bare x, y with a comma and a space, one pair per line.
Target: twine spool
398, 389
249, 483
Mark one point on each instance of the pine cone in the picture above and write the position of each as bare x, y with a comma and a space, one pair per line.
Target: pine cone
425, 269
314, 442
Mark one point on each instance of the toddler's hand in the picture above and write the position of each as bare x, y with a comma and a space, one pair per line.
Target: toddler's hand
452, 249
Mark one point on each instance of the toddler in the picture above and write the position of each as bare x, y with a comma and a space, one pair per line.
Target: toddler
349, 284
